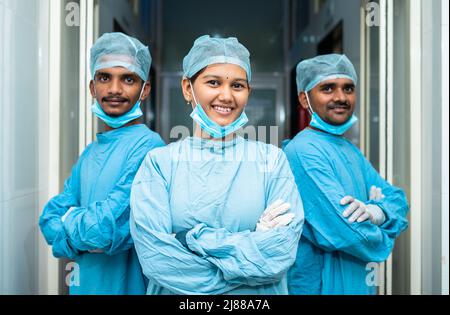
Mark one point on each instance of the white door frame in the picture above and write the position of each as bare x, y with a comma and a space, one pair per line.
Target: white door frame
385, 96
48, 269
88, 31
415, 66
388, 115
445, 147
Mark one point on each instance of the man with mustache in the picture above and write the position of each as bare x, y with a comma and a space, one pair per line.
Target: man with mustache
352, 215
89, 221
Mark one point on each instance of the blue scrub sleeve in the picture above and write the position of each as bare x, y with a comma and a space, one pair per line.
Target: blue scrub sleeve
105, 224
327, 227
50, 220
255, 258
164, 260
394, 205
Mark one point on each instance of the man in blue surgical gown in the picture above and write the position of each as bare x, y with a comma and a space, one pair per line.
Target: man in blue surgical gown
352, 214
89, 221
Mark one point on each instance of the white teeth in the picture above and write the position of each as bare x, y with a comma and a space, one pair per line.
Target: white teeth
222, 109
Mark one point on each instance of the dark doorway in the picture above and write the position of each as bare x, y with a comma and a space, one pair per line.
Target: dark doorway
299, 116
333, 42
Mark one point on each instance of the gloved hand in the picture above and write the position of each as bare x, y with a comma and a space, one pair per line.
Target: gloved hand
361, 212
274, 216
375, 193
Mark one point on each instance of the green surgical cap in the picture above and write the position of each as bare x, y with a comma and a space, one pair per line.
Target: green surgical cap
119, 50
311, 72
208, 50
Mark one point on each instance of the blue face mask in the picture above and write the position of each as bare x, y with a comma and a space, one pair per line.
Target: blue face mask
117, 122
213, 128
318, 123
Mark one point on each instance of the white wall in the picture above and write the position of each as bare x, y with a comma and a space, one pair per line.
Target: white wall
24, 133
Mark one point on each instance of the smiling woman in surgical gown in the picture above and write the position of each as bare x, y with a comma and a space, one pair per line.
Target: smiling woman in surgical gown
213, 191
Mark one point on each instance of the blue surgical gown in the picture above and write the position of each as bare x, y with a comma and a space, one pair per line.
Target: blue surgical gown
333, 254
99, 189
217, 191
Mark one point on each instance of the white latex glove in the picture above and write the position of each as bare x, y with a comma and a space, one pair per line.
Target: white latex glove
64, 217
361, 212
274, 216
375, 193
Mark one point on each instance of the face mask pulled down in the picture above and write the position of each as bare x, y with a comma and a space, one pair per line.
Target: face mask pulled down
211, 127
320, 124
117, 122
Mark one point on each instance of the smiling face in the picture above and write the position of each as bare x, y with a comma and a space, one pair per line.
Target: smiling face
333, 100
117, 90
221, 89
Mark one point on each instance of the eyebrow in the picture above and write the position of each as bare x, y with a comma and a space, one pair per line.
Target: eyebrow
219, 77
332, 84
327, 85
128, 74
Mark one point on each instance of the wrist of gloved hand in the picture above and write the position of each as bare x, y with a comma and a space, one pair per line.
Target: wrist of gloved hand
377, 215
262, 226
279, 221
275, 216
359, 212
376, 193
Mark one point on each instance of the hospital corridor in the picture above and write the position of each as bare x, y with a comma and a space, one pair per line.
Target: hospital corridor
399, 50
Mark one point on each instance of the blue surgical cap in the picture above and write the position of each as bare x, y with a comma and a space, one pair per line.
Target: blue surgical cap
311, 72
119, 50
208, 50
